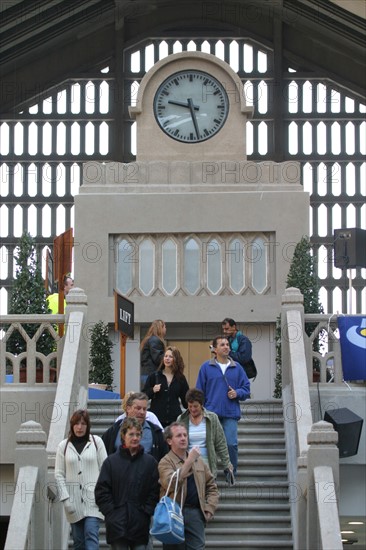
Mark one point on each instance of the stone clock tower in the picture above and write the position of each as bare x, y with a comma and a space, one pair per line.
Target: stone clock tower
191, 232
191, 106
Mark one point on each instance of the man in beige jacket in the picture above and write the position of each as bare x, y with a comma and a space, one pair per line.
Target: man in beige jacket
200, 493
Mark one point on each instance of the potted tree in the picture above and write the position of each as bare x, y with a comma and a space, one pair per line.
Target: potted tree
28, 296
100, 357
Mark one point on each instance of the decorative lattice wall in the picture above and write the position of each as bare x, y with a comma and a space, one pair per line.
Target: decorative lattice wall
297, 116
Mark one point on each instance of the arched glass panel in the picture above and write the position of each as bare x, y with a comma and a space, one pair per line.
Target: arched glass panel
259, 264
125, 258
191, 266
214, 266
146, 266
236, 265
169, 254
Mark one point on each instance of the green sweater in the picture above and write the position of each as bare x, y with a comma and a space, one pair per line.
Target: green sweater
215, 439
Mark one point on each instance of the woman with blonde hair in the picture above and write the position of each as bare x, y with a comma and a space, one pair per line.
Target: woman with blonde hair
167, 387
152, 349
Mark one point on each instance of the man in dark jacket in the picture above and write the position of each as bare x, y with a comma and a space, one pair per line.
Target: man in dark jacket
240, 345
127, 490
152, 436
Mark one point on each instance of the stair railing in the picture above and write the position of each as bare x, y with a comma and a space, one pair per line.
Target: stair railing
71, 394
309, 447
37, 518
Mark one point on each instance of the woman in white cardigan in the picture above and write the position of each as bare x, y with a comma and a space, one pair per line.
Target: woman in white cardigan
79, 459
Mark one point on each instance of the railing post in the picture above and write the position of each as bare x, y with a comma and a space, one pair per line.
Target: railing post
322, 451
76, 300
31, 451
292, 300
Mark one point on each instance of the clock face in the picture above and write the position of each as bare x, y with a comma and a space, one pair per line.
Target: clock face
191, 106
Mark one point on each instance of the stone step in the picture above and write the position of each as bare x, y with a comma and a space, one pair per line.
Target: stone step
255, 513
276, 519
240, 509
246, 429
257, 442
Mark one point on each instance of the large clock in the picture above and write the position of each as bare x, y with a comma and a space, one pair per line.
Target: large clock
191, 106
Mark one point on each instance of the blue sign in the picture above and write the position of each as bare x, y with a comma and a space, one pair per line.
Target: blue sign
353, 347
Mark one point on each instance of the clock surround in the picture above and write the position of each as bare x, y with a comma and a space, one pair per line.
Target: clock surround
154, 144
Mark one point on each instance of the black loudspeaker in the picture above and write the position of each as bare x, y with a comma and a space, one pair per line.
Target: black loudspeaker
350, 248
349, 427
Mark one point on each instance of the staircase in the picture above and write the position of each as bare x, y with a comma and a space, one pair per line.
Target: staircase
255, 513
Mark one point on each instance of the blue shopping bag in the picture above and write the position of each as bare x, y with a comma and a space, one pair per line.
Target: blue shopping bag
168, 522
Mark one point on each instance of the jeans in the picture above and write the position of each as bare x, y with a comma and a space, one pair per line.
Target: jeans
85, 534
122, 544
194, 531
230, 427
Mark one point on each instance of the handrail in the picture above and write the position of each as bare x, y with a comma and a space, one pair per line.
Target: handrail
329, 527
298, 375
22, 509
42, 522
311, 450
71, 393
32, 318
67, 393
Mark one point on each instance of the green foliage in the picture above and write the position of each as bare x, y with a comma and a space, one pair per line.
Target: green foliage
100, 356
301, 275
28, 296
277, 393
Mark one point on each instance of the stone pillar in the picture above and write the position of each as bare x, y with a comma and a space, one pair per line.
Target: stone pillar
31, 451
291, 300
322, 451
76, 301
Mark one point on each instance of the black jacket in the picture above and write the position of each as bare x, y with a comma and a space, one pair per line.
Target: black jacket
159, 447
127, 492
165, 403
152, 355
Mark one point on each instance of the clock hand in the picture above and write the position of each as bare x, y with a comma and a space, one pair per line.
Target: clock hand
193, 115
181, 104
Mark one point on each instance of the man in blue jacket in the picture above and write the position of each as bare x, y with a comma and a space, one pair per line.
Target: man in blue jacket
224, 383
